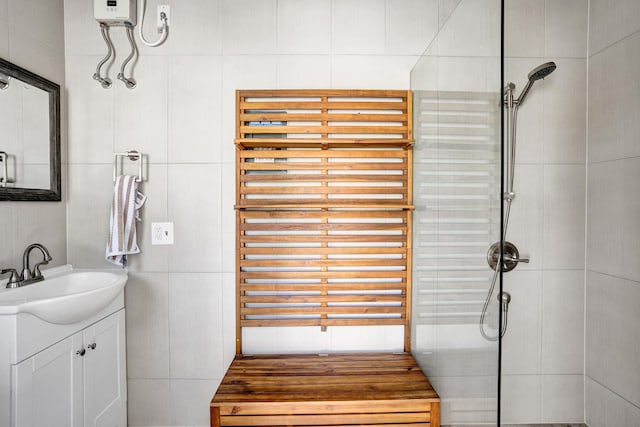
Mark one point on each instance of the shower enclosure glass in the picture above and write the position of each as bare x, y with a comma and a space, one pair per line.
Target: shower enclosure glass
458, 196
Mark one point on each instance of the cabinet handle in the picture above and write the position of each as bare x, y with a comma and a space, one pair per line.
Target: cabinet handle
92, 346
81, 352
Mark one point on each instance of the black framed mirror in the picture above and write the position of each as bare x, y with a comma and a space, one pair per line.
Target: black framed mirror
30, 166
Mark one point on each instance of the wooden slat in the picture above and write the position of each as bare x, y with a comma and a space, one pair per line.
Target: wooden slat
343, 188
336, 390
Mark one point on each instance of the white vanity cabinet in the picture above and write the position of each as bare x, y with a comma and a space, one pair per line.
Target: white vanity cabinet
78, 381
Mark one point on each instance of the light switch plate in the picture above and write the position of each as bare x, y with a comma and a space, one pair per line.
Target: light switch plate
162, 233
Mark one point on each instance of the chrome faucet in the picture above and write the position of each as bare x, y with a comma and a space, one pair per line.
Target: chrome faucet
28, 275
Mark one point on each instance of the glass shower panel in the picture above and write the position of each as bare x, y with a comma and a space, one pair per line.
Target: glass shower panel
457, 193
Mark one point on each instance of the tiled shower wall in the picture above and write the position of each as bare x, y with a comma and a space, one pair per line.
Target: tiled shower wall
613, 232
32, 37
543, 349
180, 298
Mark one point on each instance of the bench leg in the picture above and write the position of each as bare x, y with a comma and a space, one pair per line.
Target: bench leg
215, 417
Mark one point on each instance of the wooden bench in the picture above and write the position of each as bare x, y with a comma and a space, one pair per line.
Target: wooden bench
371, 389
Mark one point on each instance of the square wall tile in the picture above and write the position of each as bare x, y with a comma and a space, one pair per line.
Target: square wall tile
472, 30
147, 302
190, 401
354, 71
11, 255
565, 112
303, 339
141, 112
248, 26
90, 194
468, 74
149, 402
260, 340
521, 399
411, 25
566, 28
45, 224
194, 207
613, 334
563, 322
606, 409
194, 119
195, 325
91, 124
196, 27
358, 27
524, 32
42, 21
521, 352
304, 71
304, 26
613, 245
611, 21
563, 398
613, 128
564, 216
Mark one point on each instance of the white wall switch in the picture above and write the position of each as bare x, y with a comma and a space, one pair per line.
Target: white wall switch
162, 233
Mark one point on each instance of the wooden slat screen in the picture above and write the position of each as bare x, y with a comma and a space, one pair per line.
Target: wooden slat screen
323, 224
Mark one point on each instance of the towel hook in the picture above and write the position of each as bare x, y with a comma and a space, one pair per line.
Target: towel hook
132, 155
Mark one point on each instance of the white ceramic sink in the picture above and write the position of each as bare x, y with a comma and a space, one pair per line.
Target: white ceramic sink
65, 296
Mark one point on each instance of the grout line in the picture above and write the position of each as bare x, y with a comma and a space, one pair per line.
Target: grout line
612, 392
628, 36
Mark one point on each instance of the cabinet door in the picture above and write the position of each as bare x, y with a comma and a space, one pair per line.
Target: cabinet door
47, 387
105, 389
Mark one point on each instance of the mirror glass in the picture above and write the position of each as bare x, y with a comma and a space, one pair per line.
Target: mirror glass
29, 135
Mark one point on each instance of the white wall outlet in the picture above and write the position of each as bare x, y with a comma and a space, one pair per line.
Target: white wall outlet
162, 233
162, 8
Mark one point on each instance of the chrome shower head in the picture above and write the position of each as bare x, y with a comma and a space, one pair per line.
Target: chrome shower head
540, 72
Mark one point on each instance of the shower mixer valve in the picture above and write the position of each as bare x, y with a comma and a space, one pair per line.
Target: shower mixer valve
510, 257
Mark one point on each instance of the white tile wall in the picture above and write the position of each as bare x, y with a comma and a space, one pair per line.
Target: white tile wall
304, 27
149, 402
612, 335
564, 209
606, 409
565, 28
182, 115
524, 28
147, 302
358, 26
195, 322
548, 213
614, 96
562, 399
563, 322
613, 228
410, 25
521, 345
194, 120
521, 399
249, 27
611, 21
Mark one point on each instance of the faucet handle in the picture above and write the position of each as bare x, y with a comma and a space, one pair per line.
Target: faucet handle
36, 269
14, 279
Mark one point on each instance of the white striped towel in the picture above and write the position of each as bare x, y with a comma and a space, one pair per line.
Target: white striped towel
127, 200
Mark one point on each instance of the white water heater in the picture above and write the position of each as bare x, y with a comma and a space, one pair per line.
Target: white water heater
115, 12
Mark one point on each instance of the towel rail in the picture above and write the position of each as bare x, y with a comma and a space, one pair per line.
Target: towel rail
132, 155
